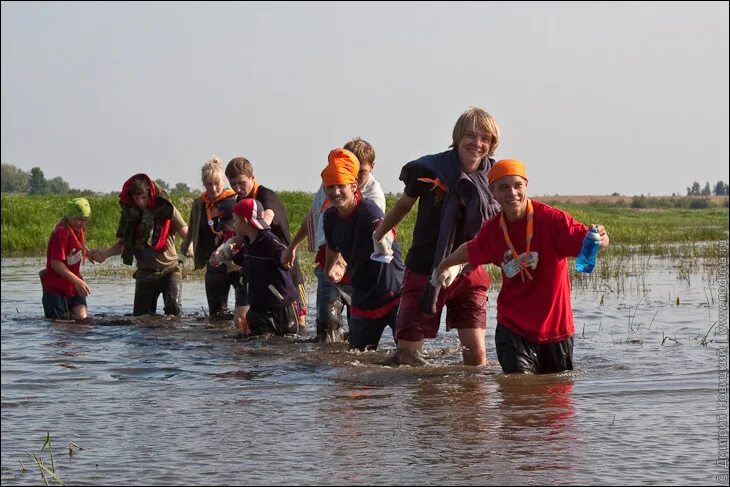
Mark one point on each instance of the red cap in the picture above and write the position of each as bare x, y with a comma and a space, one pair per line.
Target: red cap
252, 211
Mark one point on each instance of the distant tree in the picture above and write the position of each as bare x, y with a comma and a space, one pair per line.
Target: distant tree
162, 184
14, 179
615, 193
706, 191
181, 188
57, 186
721, 188
694, 190
37, 183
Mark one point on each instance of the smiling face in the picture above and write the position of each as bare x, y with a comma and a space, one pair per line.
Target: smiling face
342, 196
511, 193
473, 147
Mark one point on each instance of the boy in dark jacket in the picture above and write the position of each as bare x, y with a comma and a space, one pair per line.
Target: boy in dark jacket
271, 293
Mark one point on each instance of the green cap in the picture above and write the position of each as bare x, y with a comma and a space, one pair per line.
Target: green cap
78, 208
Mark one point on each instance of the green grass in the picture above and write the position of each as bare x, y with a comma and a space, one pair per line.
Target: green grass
27, 222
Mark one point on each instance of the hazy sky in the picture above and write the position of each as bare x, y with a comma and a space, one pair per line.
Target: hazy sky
594, 98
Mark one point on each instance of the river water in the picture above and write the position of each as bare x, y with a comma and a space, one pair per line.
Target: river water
155, 401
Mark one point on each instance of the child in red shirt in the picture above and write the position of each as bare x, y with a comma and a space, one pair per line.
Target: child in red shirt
64, 290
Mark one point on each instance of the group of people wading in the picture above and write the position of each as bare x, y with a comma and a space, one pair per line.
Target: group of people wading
472, 210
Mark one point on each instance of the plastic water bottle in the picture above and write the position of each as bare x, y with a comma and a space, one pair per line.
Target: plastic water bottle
586, 260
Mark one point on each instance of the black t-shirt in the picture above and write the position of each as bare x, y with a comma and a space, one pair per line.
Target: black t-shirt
426, 231
374, 283
261, 263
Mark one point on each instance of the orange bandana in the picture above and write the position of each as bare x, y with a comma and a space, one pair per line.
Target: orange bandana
342, 168
507, 167
528, 239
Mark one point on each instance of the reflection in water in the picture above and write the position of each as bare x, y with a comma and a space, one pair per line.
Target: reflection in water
183, 401
537, 430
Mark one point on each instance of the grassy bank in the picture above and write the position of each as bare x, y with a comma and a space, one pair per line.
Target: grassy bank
28, 220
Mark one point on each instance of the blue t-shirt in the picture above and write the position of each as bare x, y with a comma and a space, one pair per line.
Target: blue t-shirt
375, 284
261, 263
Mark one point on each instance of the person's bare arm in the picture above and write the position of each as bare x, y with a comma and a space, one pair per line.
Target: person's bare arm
287, 258
103, 254
399, 211
81, 287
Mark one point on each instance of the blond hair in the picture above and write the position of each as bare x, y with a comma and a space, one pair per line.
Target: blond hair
479, 119
211, 169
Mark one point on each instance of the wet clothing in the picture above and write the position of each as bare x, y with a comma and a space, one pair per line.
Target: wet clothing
59, 307
330, 304
538, 309
365, 333
329, 300
466, 204
206, 236
147, 290
376, 286
281, 320
59, 295
261, 263
66, 246
218, 283
280, 228
516, 354
149, 236
465, 299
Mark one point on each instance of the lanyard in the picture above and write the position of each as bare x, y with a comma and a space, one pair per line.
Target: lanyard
528, 239
80, 243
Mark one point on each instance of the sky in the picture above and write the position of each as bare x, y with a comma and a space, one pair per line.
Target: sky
594, 98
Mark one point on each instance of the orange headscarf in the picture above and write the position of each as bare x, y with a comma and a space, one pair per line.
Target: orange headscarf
342, 168
507, 167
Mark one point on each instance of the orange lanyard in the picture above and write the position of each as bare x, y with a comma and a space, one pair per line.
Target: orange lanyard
209, 205
528, 239
81, 244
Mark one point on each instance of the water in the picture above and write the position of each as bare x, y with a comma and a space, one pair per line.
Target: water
157, 401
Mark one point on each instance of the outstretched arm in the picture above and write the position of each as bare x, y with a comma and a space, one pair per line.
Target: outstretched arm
287, 258
402, 207
100, 255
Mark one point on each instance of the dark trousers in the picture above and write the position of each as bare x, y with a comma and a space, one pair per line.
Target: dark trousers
365, 333
281, 320
147, 291
218, 282
518, 355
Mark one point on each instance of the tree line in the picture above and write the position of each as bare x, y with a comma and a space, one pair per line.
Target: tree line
15, 180
720, 189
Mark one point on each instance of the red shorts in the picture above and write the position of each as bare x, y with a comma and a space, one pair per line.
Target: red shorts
465, 300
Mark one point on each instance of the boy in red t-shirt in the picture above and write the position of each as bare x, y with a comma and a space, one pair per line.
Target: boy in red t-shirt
531, 242
64, 290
